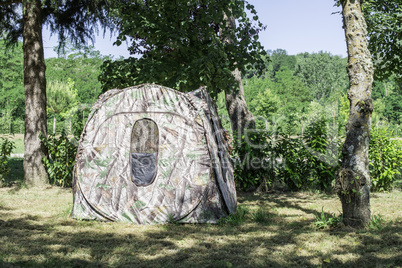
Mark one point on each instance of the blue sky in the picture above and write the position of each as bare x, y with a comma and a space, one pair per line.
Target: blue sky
294, 25
301, 26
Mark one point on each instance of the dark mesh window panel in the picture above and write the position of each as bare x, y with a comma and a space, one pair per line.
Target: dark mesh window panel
144, 152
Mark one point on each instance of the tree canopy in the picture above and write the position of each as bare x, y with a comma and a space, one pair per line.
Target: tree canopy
74, 20
81, 65
384, 26
323, 73
180, 44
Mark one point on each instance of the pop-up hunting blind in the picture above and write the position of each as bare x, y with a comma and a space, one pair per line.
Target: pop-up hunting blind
150, 154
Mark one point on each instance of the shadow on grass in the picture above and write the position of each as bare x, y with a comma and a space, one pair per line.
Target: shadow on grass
37, 241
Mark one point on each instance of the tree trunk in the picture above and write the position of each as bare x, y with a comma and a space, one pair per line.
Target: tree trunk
54, 124
35, 94
353, 180
240, 116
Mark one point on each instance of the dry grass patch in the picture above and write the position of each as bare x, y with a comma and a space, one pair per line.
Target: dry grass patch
35, 230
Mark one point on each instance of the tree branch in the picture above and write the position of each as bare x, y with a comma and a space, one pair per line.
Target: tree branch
10, 2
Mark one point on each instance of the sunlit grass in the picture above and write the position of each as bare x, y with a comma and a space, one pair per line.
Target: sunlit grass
274, 230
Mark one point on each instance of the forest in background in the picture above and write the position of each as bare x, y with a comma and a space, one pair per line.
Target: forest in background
300, 105
73, 87
294, 91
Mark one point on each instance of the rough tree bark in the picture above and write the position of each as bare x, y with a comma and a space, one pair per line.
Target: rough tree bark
353, 180
35, 94
240, 116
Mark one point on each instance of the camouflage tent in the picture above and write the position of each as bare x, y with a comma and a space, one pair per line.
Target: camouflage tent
150, 154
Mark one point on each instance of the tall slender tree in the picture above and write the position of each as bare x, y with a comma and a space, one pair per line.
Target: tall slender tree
353, 181
76, 19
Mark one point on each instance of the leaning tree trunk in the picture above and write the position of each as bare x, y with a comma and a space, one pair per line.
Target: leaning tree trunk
240, 116
35, 94
353, 181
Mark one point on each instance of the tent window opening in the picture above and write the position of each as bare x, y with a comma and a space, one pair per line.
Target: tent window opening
144, 152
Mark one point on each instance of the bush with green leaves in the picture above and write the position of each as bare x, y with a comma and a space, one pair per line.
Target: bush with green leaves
323, 147
325, 220
61, 158
6, 147
312, 162
236, 219
255, 157
294, 170
385, 155
377, 222
301, 164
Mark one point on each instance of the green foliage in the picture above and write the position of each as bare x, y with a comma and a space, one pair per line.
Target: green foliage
82, 66
384, 20
293, 93
393, 108
269, 156
278, 92
385, 157
325, 220
294, 170
377, 222
323, 74
252, 167
324, 150
184, 44
78, 67
11, 86
6, 147
6, 120
266, 103
61, 158
280, 59
388, 100
236, 219
77, 20
310, 163
261, 215
61, 97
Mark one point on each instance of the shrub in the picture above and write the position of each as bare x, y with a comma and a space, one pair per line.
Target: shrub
377, 222
324, 151
254, 158
6, 147
301, 164
325, 220
385, 157
294, 170
261, 215
236, 219
310, 163
60, 161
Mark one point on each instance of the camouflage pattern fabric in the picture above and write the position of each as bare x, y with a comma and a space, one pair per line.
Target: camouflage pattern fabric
190, 185
218, 147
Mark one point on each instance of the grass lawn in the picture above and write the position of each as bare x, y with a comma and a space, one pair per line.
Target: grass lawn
35, 230
278, 230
